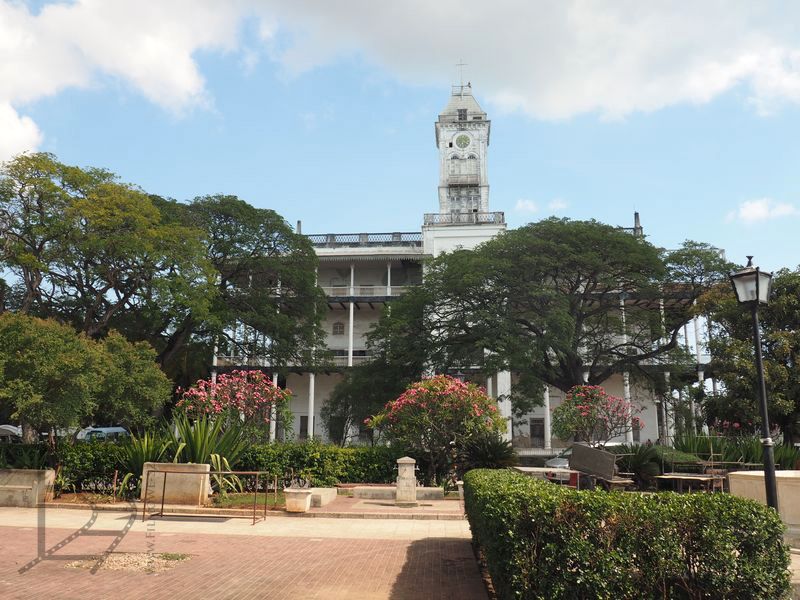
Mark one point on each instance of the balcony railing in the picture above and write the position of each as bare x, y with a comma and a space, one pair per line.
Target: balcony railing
355, 240
365, 290
464, 179
467, 218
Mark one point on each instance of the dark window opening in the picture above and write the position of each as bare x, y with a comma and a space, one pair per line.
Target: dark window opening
462, 114
303, 427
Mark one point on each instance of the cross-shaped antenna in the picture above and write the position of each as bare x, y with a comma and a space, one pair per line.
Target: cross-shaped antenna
461, 64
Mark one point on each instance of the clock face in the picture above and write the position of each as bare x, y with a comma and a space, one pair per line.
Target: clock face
462, 141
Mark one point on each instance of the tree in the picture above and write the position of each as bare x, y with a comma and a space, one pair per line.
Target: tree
49, 375
436, 418
84, 247
589, 414
53, 377
733, 360
247, 395
545, 301
133, 389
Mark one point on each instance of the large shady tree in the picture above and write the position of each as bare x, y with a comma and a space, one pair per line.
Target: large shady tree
545, 301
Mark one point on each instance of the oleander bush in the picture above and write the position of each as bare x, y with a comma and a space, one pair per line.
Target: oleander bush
541, 540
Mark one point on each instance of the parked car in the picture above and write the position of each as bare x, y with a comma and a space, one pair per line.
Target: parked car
102, 433
10, 434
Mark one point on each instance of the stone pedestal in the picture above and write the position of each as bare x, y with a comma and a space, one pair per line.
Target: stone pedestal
750, 484
298, 500
406, 482
26, 487
191, 489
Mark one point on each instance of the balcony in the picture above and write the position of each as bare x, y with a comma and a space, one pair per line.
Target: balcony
365, 291
466, 218
401, 239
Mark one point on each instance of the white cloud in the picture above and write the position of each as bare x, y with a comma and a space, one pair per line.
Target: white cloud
147, 45
557, 205
762, 209
526, 206
549, 60
554, 60
19, 133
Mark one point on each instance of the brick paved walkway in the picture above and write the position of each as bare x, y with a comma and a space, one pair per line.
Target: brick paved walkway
282, 558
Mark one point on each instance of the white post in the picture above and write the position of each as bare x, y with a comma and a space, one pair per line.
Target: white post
489, 391
214, 363
701, 376
388, 278
273, 416
548, 441
626, 376
311, 377
504, 400
352, 315
692, 410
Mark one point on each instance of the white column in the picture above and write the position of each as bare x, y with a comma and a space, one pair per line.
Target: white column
669, 420
273, 416
692, 409
489, 391
388, 278
352, 315
504, 400
214, 362
311, 377
701, 376
548, 442
626, 376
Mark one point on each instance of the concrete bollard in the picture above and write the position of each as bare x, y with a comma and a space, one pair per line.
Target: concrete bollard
406, 482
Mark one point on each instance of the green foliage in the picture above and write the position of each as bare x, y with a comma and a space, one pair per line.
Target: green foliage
544, 300
51, 376
743, 449
326, 464
23, 456
91, 466
732, 356
133, 388
435, 418
668, 457
137, 450
487, 451
546, 541
197, 441
639, 459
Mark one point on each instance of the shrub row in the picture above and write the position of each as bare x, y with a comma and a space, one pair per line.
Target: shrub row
91, 466
546, 541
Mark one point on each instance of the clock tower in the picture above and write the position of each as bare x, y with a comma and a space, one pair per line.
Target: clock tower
462, 137
463, 220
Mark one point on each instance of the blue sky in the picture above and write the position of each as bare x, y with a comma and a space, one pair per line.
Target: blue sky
331, 122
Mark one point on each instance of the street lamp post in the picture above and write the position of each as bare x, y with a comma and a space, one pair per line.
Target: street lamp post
753, 287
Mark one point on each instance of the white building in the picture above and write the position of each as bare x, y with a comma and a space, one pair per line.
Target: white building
361, 272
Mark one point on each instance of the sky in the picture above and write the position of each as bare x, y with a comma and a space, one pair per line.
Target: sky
686, 112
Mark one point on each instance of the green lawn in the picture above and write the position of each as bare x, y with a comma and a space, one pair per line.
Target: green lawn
246, 500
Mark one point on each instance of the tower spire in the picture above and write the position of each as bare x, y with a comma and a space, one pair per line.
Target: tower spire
460, 66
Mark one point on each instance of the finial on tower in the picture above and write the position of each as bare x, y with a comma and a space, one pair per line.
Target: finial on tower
460, 65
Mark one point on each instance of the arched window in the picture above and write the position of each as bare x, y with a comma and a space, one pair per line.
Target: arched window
338, 328
472, 157
455, 157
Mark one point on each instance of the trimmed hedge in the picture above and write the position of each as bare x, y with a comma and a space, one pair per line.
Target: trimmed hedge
90, 466
542, 540
325, 464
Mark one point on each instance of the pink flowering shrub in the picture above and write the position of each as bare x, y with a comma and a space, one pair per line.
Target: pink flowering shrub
590, 414
434, 418
248, 394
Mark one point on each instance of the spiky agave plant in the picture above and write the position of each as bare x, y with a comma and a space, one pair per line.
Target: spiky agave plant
137, 450
197, 441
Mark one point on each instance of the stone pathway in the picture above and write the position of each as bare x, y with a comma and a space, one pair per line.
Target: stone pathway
230, 558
